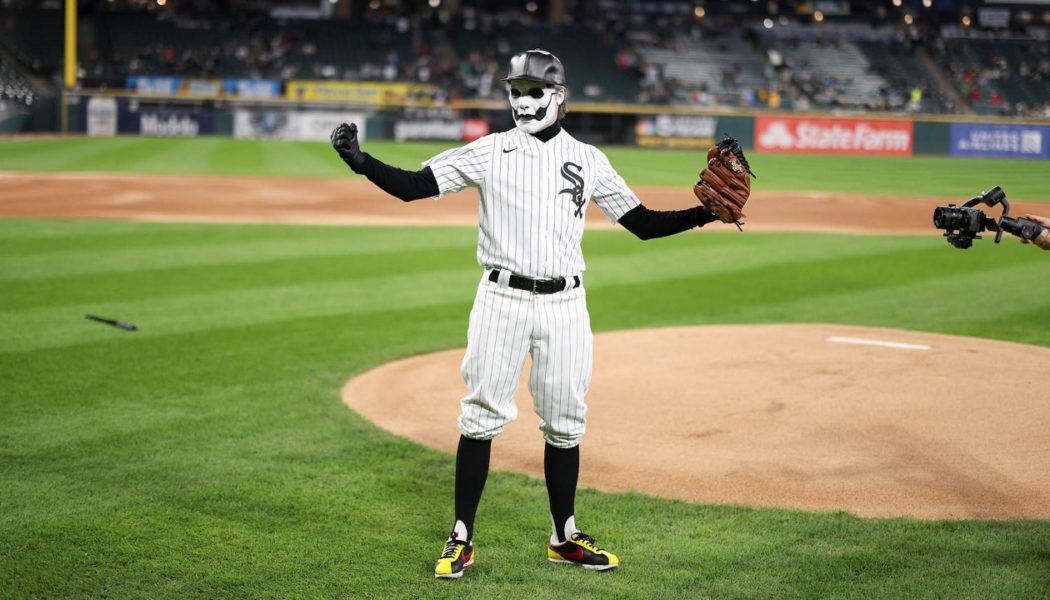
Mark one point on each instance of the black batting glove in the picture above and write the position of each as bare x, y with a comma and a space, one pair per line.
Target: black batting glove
344, 140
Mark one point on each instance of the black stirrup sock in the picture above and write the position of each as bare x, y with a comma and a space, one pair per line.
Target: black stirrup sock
561, 469
472, 468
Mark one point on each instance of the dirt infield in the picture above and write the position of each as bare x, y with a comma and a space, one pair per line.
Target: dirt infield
878, 422
872, 429
348, 201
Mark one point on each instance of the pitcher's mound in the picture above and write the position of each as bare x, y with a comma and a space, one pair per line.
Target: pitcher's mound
878, 422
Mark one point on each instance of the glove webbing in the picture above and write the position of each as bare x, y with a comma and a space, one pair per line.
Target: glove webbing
733, 146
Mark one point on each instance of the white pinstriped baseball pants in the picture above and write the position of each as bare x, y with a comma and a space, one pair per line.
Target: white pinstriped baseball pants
505, 325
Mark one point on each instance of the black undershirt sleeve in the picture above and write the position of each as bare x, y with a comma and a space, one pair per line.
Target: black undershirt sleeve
648, 224
406, 185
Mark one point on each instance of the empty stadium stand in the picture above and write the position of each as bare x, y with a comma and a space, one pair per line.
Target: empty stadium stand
724, 67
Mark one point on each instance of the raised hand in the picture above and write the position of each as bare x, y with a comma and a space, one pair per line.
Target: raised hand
344, 140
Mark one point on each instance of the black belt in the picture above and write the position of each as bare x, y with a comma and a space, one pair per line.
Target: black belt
537, 286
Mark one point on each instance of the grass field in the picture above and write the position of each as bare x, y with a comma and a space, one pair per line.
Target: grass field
209, 455
924, 176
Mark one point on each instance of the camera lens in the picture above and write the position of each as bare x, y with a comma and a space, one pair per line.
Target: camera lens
947, 218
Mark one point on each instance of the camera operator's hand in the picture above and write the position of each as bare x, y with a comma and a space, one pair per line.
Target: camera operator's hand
1043, 239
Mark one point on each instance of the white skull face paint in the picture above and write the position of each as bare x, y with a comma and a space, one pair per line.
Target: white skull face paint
534, 104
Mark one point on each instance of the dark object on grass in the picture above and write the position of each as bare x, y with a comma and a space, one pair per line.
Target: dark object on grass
113, 322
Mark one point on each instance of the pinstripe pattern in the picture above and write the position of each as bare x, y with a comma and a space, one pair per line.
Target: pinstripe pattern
530, 223
505, 325
524, 224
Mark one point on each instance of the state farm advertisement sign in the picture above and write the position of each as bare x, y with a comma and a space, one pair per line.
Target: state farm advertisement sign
833, 136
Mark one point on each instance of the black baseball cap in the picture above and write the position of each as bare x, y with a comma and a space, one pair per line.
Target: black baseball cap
536, 65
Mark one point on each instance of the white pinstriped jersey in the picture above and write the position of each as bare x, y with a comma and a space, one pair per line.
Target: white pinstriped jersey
533, 198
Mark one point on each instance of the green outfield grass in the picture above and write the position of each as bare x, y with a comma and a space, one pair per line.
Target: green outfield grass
924, 176
209, 455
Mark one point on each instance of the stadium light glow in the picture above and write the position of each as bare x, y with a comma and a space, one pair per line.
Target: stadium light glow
966, 20
896, 2
927, 3
818, 16
532, 7
434, 3
699, 12
908, 19
161, 2
767, 23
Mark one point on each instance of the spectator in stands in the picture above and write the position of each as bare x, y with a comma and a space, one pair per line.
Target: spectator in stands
774, 98
915, 99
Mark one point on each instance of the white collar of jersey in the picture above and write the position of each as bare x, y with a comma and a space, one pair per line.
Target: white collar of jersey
522, 136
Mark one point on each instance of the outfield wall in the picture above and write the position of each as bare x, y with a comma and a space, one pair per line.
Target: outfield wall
647, 126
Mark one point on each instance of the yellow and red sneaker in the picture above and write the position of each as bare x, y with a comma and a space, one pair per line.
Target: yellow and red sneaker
581, 550
458, 555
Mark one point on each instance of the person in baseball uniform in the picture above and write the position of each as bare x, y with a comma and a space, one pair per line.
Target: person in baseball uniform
534, 183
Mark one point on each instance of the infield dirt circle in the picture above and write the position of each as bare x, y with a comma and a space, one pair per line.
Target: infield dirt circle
827, 417
878, 422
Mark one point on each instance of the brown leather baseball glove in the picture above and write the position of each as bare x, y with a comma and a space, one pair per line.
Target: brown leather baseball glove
725, 184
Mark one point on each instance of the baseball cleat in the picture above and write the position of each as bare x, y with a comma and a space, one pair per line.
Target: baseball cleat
581, 550
454, 560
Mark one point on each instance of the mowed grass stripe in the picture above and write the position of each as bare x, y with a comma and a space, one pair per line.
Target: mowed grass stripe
958, 178
302, 159
292, 258
66, 154
82, 291
944, 177
920, 288
23, 237
158, 311
327, 350
691, 287
626, 260
35, 235
212, 248
945, 303
59, 326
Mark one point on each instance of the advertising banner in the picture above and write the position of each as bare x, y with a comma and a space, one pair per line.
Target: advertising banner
317, 126
474, 129
256, 124
1000, 141
461, 129
174, 123
201, 87
291, 125
676, 131
834, 136
101, 116
155, 85
357, 92
251, 88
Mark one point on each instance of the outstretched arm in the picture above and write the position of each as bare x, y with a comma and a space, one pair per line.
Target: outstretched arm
648, 224
406, 185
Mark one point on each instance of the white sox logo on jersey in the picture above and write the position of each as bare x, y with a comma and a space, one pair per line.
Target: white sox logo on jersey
575, 189
532, 198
